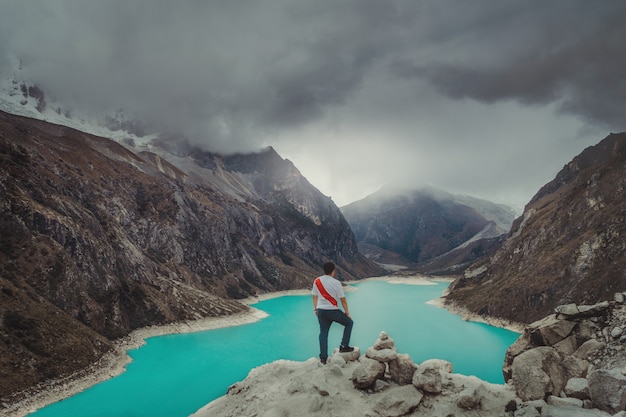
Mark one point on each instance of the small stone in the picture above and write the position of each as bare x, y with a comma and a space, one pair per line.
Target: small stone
527, 412
441, 364
567, 310
564, 402
382, 355
577, 388
467, 399
399, 401
380, 385
384, 342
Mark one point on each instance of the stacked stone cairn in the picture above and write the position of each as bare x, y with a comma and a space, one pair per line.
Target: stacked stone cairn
572, 362
569, 364
430, 385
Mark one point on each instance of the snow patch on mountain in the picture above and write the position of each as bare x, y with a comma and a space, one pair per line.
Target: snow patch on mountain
23, 97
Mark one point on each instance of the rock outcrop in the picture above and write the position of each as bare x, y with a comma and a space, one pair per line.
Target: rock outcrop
567, 247
574, 357
569, 364
420, 225
380, 383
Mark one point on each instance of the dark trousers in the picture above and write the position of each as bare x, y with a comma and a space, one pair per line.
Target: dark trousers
326, 318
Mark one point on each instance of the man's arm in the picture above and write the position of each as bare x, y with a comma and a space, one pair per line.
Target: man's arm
315, 304
344, 303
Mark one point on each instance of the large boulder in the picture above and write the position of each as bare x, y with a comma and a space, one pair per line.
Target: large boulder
537, 373
577, 388
441, 364
575, 367
570, 411
399, 401
608, 390
402, 369
367, 372
382, 355
428, 376
589, 348
550, 330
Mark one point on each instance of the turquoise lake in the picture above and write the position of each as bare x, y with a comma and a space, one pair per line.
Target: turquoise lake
175, 375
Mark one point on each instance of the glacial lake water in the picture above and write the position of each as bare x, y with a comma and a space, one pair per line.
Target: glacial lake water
175, 375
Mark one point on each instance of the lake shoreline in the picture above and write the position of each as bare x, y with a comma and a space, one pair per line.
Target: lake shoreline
115, 362
440, 302
467, 315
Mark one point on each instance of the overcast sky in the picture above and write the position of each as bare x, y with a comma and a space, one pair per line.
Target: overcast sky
483, 97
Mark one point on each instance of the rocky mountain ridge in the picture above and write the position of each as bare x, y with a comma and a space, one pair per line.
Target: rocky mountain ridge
430, 230
98, 240
567, 246
571, 363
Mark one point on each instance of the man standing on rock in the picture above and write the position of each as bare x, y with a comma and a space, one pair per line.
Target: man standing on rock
326, 291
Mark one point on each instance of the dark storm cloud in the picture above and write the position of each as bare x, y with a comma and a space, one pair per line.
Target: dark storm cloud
567, 51
219, 68
439, 90
222, 67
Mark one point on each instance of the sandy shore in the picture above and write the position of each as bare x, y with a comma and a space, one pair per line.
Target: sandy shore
114, 363
408, 279
469, 316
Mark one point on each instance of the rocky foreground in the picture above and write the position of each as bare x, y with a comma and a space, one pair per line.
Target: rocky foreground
570, 364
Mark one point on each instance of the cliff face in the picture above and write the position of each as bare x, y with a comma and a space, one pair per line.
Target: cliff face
97, 240
567, 247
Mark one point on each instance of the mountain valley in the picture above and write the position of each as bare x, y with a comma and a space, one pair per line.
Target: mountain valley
98, 240
429, 230
567, 247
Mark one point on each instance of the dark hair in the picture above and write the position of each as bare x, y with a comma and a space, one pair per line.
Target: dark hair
329, 267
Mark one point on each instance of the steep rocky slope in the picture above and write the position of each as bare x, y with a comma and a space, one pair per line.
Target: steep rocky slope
567, 247
97, 240
423, 224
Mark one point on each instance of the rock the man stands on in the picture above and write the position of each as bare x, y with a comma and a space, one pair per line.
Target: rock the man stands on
326, 291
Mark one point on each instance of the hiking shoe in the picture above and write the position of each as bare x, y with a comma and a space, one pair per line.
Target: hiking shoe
323, 361
344, 349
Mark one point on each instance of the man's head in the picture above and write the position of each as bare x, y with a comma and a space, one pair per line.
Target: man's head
329, 267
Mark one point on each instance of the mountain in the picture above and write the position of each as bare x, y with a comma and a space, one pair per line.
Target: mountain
567, 246
98, 240
422, 225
